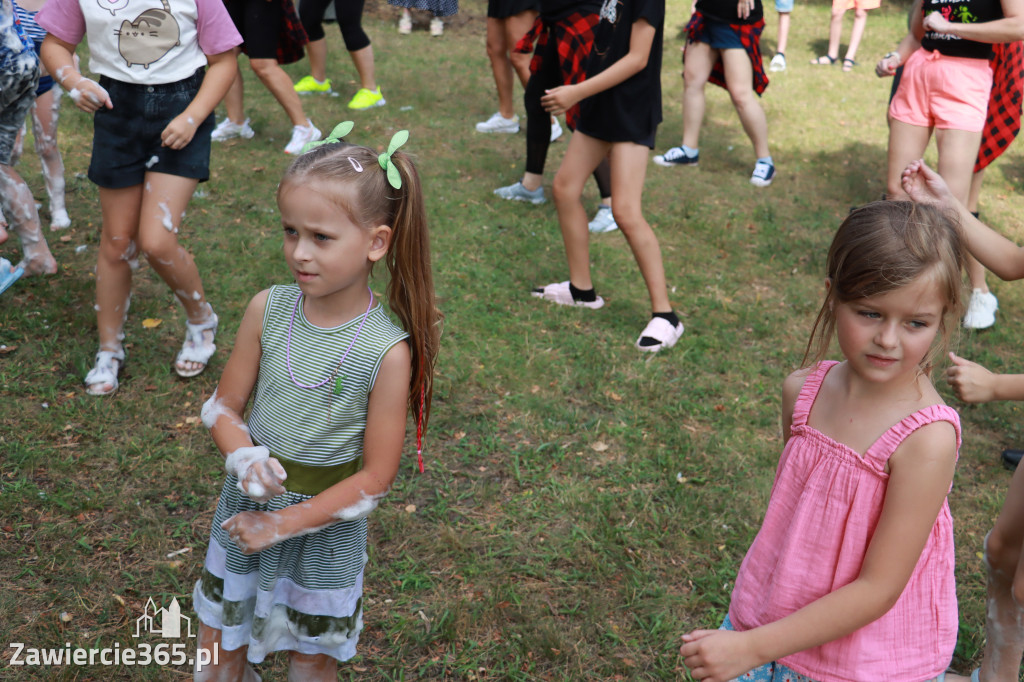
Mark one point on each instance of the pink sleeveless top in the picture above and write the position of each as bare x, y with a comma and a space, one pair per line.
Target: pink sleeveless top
823, 511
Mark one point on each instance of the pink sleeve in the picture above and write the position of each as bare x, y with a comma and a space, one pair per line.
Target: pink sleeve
64, 19
217, 33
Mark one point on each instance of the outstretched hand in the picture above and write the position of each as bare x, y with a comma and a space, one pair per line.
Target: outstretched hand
972, 382
925, 186
717, 655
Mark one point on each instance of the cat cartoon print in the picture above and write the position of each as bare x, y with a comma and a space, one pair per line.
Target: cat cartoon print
151, 36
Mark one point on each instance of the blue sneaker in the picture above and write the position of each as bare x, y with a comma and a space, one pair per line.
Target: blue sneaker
676, 157
517, 192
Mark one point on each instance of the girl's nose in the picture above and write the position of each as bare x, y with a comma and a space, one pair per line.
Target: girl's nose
887, 335
303, 249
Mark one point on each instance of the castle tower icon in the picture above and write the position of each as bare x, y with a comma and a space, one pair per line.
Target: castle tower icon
169, 621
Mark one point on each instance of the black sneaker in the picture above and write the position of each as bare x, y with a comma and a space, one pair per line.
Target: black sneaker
1011, 458
676, 157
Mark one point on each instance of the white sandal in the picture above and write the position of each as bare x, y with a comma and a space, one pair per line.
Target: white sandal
662, 331
104, 372
195, 348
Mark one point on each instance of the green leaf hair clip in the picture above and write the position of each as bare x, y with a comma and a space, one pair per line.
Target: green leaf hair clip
340, 131
394, 177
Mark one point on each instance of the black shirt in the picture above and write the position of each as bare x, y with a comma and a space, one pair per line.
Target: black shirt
727, 11
960, 12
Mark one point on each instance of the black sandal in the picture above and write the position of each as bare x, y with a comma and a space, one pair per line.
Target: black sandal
824, 60
848, 64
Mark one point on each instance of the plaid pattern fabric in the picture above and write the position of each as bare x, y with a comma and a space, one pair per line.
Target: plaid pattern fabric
1004, 104
291, 37
750, 37
574, 37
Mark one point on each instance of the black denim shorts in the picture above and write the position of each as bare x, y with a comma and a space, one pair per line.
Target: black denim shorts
126, 141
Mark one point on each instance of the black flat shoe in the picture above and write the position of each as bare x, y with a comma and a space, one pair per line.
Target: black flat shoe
1011, 458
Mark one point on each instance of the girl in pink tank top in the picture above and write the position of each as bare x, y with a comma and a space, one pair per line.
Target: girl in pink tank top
851, 576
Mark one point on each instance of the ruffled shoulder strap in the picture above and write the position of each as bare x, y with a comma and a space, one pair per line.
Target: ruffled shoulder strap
809, 391
883, 448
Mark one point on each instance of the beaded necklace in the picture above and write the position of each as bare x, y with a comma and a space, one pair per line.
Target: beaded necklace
334, 376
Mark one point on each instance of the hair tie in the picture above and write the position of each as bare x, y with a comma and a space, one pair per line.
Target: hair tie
356, 166
340, 131
394, 177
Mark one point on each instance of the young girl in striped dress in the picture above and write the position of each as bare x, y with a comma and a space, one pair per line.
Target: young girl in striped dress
330, 377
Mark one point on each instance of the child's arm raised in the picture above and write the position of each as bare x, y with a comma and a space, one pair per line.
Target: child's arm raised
559, 100
921, 470
222, 70
357, 495
993, 250
975, 384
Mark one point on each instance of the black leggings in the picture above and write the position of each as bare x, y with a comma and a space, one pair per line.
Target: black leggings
538, 121
350, 15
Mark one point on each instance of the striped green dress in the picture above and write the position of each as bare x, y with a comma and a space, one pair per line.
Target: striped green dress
303, 594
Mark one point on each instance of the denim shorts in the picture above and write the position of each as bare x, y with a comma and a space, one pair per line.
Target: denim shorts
720, 35
783, 6
126, 142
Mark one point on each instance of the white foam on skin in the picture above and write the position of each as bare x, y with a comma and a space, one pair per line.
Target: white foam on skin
153, 160
360, 509
213, 409
253, 466
166, 219
196, 296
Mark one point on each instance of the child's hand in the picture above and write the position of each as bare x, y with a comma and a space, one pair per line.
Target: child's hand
887, 65
937, 23
179, 132
744, 8
90, 96
972, 382
259, 475
717, 655
254, 531
925, 186
559, 100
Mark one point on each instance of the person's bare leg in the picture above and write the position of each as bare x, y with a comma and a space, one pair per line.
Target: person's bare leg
163, 208
835, 32
907, 143
783, 38
234, 99
581, 158
974, 195
363, 61
232, 665
117, 255
700, 58
532, 181
629, 166
316, 50
280, 86
501, 67
516, 27
19, 207
1004, 617
860, 20
311, 668
45, 114
738, 79
958, 150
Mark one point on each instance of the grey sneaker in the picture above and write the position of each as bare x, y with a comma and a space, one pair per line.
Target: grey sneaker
229, 130
517, 192
676, 157
603, 221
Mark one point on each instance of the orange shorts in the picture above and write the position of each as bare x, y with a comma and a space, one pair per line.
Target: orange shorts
855, 4
943, 92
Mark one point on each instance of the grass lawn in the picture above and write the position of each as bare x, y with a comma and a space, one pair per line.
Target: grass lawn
584, 504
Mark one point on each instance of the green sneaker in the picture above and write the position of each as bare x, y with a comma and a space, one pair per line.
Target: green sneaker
365, 99
309, 85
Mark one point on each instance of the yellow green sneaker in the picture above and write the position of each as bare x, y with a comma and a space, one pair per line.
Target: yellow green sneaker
364, 99
309, 85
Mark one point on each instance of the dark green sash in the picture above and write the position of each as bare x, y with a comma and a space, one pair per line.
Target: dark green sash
313, 480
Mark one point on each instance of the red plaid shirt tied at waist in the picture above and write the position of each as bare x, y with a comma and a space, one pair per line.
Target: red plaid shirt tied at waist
750, 38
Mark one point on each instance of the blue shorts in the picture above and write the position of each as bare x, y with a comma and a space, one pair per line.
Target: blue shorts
720, 36
784, 6
126, 140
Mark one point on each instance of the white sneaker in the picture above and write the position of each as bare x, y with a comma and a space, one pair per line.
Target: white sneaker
405, 25
556, 130
981, 310
603, 221
301, 136
229, 130
499, 124
778, 63
436, 27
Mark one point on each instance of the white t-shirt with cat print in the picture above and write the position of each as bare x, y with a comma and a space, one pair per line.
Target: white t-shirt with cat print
148, 42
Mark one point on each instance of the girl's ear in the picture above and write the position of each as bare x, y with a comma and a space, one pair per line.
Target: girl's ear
380, 241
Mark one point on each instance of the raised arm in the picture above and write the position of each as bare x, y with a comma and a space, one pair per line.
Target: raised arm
921, 470
357, 495
993, 250
561, 99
